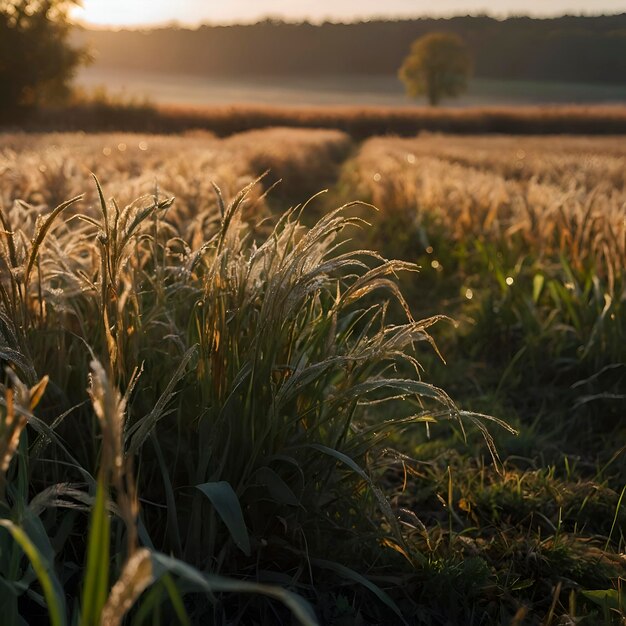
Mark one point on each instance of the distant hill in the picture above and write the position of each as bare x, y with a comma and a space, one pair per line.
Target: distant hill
565, 49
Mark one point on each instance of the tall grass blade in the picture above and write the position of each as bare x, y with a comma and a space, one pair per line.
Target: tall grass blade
138, 433
52, 589
226, 503
212, 584
350, 574
96, 582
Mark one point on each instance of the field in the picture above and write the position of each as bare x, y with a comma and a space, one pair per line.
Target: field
328, 90
254, 414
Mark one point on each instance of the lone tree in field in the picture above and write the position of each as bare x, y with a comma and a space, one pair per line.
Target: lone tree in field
438, 66
36, 59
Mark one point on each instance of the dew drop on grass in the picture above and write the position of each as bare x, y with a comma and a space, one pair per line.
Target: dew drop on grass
121, 147
106, 151
469, 294
435, 264
429, 250
143, 146
377, 177
509, 280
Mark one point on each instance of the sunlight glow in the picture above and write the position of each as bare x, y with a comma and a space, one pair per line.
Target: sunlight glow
136, 13
124, 12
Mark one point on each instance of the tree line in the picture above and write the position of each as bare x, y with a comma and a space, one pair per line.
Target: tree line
568, 49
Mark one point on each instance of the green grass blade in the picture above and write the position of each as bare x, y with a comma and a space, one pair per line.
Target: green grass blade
277, 487
176, 600
615, 517
226, 503
140, 431
53, 592
607, 599
346, 572
218, 584
96, 584
381, 499
172, 513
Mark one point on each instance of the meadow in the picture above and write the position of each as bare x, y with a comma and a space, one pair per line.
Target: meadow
227, 398
330, 90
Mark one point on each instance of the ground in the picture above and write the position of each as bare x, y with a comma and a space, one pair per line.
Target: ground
521, 245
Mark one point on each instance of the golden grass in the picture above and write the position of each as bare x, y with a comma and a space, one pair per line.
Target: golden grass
229, 357
45, 170
557, 195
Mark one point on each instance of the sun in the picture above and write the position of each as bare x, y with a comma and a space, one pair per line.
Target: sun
122, 12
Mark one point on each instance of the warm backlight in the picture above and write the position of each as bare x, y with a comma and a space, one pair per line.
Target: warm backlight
135, 13
123, 12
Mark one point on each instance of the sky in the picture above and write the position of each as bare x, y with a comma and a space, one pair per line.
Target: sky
193, 12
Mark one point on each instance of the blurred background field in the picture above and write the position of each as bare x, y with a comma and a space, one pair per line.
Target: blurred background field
516, 60
331, 90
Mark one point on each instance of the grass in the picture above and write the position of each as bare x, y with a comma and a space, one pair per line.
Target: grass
531, 234
246, 421
358, 122
129, 165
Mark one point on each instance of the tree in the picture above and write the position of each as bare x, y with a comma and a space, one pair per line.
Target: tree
438, 65
37, 62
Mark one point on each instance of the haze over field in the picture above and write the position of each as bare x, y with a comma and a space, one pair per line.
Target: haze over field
331, 90
152, 12
515, 61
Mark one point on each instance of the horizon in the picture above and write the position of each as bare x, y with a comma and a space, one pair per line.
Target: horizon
121, 14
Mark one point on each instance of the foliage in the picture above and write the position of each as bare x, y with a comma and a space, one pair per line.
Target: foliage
36, 60
438, 66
